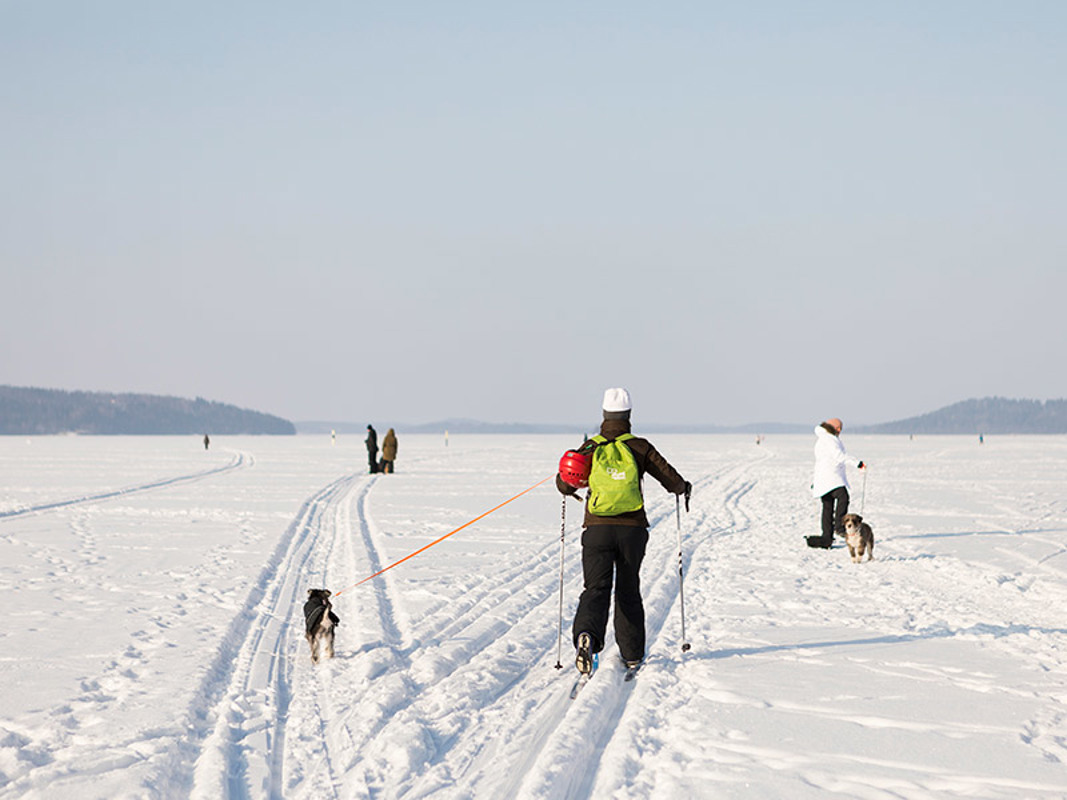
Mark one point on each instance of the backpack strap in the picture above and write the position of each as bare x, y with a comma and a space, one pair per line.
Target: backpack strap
594, 442
591, 444
622, 437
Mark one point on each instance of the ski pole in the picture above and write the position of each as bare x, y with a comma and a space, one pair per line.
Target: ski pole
863, 494
681, 586
562, 534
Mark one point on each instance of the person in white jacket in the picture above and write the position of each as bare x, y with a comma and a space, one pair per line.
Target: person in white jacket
830, 483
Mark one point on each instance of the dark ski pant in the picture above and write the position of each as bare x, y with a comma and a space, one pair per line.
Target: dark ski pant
613, 551
834, 508
372, 460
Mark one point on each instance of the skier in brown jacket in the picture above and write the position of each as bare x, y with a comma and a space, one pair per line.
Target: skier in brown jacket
614, 546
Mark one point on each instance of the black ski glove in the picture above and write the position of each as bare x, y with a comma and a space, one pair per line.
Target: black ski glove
688, 493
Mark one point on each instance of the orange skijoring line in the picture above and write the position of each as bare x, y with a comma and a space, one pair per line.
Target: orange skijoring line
438, 541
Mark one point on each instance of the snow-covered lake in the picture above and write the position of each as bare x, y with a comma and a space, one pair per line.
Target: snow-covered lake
152, 643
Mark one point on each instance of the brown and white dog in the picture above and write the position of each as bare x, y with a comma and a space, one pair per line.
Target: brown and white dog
319, 622
860, 538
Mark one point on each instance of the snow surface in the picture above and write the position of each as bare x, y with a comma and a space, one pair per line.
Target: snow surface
152, 641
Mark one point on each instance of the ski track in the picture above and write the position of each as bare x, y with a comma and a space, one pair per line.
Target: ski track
425, 707
121, 673
435, 655
239, 461
238, 720
580, 743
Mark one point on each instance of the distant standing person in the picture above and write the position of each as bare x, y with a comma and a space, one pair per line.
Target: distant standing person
372, 448
615, 532
388, 451
830, 483
207, 441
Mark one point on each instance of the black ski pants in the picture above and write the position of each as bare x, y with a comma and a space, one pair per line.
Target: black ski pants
613, 551
834, 508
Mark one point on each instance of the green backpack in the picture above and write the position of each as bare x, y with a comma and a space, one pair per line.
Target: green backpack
614, 482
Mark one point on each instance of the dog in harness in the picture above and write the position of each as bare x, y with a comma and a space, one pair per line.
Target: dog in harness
319, 623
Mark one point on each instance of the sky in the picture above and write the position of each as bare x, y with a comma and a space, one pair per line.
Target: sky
408, 212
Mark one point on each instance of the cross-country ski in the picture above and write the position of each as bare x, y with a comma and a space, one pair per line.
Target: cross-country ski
579, 684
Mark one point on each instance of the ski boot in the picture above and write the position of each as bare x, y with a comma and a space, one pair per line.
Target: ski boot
585, 659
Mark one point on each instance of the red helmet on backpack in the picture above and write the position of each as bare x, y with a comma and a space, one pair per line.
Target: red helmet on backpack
574, 468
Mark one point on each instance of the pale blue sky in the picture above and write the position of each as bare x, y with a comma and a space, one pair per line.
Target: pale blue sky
404, 212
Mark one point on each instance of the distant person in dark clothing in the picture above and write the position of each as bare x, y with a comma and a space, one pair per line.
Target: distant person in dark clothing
388, 451
372, 449
207, 441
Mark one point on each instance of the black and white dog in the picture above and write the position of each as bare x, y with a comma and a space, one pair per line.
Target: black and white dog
319, 622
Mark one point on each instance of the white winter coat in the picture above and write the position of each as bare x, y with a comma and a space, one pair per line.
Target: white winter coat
830, 462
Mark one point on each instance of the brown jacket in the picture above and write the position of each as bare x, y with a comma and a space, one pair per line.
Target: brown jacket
648, 460
389, 446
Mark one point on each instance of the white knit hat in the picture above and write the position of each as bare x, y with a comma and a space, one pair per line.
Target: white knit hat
617, 400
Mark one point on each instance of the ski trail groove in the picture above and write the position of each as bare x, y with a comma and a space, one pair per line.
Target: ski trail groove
524, 714
455, 641
383, 592
237, 721
571, 746
473, 678
239, 461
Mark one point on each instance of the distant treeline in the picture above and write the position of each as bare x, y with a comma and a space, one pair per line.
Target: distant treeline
989, 415
49, 411
25, 411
